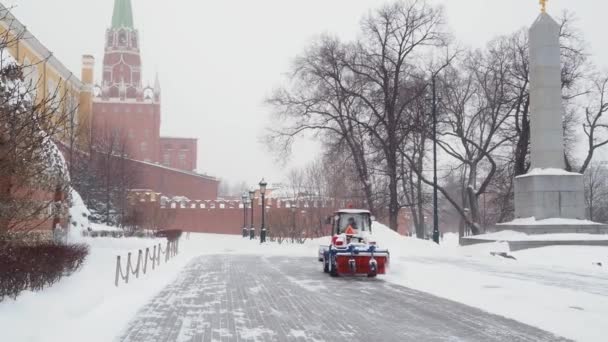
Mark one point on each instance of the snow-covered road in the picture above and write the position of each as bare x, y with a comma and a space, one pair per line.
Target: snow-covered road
272, 298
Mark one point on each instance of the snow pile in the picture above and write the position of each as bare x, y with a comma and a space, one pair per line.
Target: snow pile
531, 221
399, 245
79, 216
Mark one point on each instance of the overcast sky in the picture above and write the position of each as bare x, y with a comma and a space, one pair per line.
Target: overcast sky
219, 59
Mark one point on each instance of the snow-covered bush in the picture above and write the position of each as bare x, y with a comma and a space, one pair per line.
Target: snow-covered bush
34, 178
34, 267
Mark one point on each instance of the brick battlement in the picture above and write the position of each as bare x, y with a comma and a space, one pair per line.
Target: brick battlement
147, 196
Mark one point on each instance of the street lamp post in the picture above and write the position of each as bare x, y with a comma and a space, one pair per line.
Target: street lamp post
245, 198
263, 228
251, 229
435, 208
293, 215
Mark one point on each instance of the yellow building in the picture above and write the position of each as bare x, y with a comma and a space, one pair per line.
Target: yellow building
50, 82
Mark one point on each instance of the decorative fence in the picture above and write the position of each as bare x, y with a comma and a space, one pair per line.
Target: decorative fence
153, 255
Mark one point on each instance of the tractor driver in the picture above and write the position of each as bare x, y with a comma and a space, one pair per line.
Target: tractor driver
351, 225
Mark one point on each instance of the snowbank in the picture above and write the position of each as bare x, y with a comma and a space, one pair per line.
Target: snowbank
79, 216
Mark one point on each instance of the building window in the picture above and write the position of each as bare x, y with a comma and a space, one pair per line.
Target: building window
110, 38
31, 76
166, 159
116, 133
182, 159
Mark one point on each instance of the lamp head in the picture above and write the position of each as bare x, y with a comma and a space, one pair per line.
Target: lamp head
263, 186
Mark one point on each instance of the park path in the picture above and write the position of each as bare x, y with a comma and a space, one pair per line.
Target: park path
256, 298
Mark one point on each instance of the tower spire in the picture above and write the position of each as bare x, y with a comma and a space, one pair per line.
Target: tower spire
157, 84
123, 14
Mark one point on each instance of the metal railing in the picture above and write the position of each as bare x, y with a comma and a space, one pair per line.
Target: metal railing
154, 257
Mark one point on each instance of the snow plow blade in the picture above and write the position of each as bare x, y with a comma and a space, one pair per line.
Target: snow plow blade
353, 261
363, 265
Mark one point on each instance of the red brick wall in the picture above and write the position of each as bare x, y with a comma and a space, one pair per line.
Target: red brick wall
227, 217
178, 153
174, 182
44, 200
230, 219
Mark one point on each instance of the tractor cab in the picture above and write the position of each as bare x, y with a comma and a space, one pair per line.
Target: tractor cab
353, 223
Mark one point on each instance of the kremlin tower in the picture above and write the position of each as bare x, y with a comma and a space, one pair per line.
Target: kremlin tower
126, 113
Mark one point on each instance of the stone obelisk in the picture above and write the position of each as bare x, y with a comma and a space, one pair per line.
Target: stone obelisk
546, 126
547, 191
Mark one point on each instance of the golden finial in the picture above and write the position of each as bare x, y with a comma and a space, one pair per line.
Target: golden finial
543, 6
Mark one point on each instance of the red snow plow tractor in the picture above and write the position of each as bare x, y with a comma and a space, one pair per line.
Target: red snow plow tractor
352, 250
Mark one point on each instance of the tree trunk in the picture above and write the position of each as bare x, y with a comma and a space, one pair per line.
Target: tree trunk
393, 206
474, 207
521, 150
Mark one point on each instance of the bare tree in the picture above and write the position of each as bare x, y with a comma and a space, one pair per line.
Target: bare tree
368, 86
105, 174
317, 102
596, 191
595, 124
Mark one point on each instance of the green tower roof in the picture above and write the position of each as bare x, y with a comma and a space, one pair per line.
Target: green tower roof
123, 14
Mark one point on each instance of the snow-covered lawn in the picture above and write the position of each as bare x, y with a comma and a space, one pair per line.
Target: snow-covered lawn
558, 289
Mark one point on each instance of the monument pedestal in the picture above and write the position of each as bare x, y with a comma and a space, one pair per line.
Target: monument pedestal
583, 227
549, 202
545, 195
